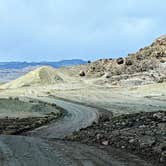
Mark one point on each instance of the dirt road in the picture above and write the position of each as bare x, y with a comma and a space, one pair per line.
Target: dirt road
77, 117
43, 149
27, 151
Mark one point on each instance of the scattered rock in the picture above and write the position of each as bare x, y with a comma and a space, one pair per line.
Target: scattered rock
120, 61
104, 118
162, 60
98, 136
128, 62
105, 143
131, 141
82, 73
147, 141
163, 157
123, 147
108, 75
158, 116
141, 133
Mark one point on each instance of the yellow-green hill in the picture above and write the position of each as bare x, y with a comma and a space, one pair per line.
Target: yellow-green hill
41, 76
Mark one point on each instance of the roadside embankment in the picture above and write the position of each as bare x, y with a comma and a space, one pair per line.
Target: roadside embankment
18, 116
143, 134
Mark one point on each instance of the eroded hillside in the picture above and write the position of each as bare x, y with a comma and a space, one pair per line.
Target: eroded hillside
145, 66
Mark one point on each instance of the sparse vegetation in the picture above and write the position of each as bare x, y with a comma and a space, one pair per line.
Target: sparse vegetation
15, 107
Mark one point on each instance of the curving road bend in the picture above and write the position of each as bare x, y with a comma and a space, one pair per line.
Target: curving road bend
78, 116
41, 149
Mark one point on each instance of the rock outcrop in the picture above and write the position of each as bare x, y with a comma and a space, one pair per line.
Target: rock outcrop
149, 63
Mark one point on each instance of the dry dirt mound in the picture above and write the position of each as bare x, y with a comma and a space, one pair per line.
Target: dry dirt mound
41, 76
148, 63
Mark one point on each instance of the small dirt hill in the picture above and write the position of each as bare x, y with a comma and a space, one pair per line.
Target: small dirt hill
41, 76
148, 63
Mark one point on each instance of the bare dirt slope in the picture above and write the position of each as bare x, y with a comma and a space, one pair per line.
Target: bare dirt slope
40, 76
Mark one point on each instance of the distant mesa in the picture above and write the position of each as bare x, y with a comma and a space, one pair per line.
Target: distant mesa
58, 64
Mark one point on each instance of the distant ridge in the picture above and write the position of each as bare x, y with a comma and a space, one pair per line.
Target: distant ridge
21, 65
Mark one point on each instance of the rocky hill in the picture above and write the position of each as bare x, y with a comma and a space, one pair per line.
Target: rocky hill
145, 66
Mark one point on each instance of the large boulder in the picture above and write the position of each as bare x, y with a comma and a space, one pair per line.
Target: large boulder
128, 62
82, 73
120, 61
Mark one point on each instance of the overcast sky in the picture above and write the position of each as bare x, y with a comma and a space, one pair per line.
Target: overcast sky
51, 30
